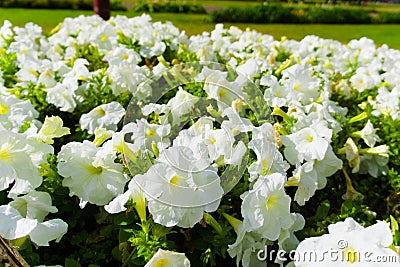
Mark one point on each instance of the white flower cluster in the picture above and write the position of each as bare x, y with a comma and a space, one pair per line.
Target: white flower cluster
177, 174
21, 155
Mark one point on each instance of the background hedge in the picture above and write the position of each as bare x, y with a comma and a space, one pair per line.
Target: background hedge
277, 13
59, 4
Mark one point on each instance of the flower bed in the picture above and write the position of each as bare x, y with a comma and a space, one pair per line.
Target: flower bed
127, 142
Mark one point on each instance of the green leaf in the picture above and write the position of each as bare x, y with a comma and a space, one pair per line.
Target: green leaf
322, 210
71, 263
394, 225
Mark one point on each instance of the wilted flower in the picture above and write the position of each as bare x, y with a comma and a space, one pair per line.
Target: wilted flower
52, 128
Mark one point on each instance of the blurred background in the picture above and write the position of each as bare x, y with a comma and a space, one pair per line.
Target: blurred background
331, 19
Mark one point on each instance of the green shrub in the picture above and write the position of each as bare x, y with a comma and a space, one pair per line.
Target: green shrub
337, 15
276, 13
270, 13
388, 17
169, 7
59, 4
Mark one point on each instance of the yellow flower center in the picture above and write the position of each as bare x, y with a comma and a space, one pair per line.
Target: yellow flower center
310, 138
3, 109
272, 200
104, 38
175, 180
150, 133
125, 56
222, 93
212, 140
100, 111
350, 255
264, 163
5, 154
47, 73
95, 170
161, 263
296, 87
34, 72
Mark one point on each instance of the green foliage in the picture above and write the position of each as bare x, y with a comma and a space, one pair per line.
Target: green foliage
37, 96
169, 7
277, 13
92, 55
388, 17
336, 15
270, 13
58, 4
8, 67
143, 242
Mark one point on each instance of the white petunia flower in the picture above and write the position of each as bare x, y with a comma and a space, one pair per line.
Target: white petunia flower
236, 124
24, 216
246, 248
276, 94
181, 104
49, 230
302, 86
306, 178
288, 240
266, 208
105, 116
387, 102
14, 112
374, 165
34, 205
16, 165
144, 134
134, 192
63, 96
368, 134
92, 178
348, 244
165, 258
122, 56
13, 225
125, 78
352, 154
308, 143
217, 87
269, 159
180, 187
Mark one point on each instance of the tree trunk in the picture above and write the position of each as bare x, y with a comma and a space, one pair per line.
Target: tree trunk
102, 8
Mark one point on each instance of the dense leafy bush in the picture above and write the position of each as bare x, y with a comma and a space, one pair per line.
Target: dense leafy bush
169, 7
337, 15
271, 13
277, 13
59, 4
388, 17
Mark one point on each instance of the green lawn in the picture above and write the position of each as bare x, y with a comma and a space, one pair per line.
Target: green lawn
195, 24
